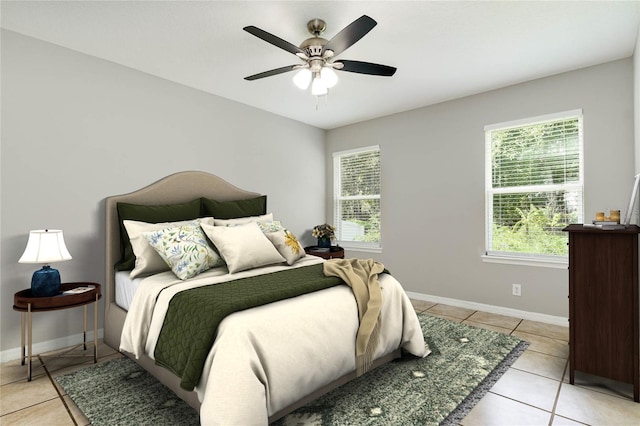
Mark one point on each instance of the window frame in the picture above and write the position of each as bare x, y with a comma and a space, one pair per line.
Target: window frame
529, 259
371, 247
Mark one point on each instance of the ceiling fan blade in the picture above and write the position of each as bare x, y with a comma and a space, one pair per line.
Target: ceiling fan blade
272, 72
350, 35
366, 68
270, 38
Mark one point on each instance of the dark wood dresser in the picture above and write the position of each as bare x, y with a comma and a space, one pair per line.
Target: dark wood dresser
603, 304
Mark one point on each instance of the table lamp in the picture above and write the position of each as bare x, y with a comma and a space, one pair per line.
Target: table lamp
45, 246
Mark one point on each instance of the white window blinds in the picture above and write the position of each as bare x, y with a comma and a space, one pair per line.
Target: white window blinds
534, 184
357, 197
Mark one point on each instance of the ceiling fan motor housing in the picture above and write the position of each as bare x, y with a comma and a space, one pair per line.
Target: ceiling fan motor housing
313, 46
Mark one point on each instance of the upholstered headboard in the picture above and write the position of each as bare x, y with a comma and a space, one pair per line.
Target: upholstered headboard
177, 188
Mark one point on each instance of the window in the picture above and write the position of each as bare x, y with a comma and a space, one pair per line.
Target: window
357, 198
534, 186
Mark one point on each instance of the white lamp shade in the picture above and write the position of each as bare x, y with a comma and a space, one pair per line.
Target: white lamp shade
45, 246
329, 77
302, 78
318, 87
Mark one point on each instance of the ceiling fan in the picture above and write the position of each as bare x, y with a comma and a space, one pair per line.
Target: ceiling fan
318, 55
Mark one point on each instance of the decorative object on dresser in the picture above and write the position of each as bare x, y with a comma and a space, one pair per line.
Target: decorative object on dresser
603, 304
72, 295
333, 252
45, 246
632, 200
613, 220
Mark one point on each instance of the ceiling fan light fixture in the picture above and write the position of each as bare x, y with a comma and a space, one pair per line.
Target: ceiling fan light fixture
302, 78
329, 77
318, 86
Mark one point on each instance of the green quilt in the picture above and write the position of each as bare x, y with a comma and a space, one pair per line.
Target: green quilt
191, 323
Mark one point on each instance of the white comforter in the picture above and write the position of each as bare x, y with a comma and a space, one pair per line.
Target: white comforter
266, 358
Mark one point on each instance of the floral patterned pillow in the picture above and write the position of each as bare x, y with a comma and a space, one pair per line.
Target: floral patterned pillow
273, 226
148, 261
287, 245
185, 249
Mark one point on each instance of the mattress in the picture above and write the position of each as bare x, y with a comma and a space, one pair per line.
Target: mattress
126, 288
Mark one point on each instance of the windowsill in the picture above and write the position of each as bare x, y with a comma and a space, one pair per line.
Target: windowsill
348, 246
526, 261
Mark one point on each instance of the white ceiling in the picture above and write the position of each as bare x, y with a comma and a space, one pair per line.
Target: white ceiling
443, 49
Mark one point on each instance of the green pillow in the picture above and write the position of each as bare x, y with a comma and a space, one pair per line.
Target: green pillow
234, 209
150, 214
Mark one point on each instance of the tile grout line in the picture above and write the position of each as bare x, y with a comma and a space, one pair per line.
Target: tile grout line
516, 327
51, 379
538, 335
555, 402
528, 404
469, 316
461, 319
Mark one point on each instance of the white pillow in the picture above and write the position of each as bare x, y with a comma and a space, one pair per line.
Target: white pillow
185, 248
148, 261
243, 247
287, 245
242, 220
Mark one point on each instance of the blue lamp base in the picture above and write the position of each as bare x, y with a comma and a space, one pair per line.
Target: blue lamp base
45, 282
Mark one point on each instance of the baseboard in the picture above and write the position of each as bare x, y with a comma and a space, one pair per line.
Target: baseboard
532, 316
49, 345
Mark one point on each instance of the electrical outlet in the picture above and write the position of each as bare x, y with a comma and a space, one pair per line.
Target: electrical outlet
516, 290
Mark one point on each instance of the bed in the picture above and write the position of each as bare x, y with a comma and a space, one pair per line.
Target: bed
266, 361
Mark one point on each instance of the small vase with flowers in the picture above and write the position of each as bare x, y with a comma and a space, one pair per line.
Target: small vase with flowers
324, 233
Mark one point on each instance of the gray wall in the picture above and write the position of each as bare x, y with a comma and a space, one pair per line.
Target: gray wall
433, 205
76, 129
636, 85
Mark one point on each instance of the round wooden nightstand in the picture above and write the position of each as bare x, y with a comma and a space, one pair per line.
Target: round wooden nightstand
334, 252
25, 303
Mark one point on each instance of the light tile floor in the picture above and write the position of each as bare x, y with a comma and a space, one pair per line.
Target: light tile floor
534, 391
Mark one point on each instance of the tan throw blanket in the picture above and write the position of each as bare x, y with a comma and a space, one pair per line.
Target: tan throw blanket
362, 276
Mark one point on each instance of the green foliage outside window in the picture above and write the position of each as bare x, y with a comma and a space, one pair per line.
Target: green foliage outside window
536, 232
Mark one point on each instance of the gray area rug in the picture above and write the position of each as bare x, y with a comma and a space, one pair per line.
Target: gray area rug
442, 388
